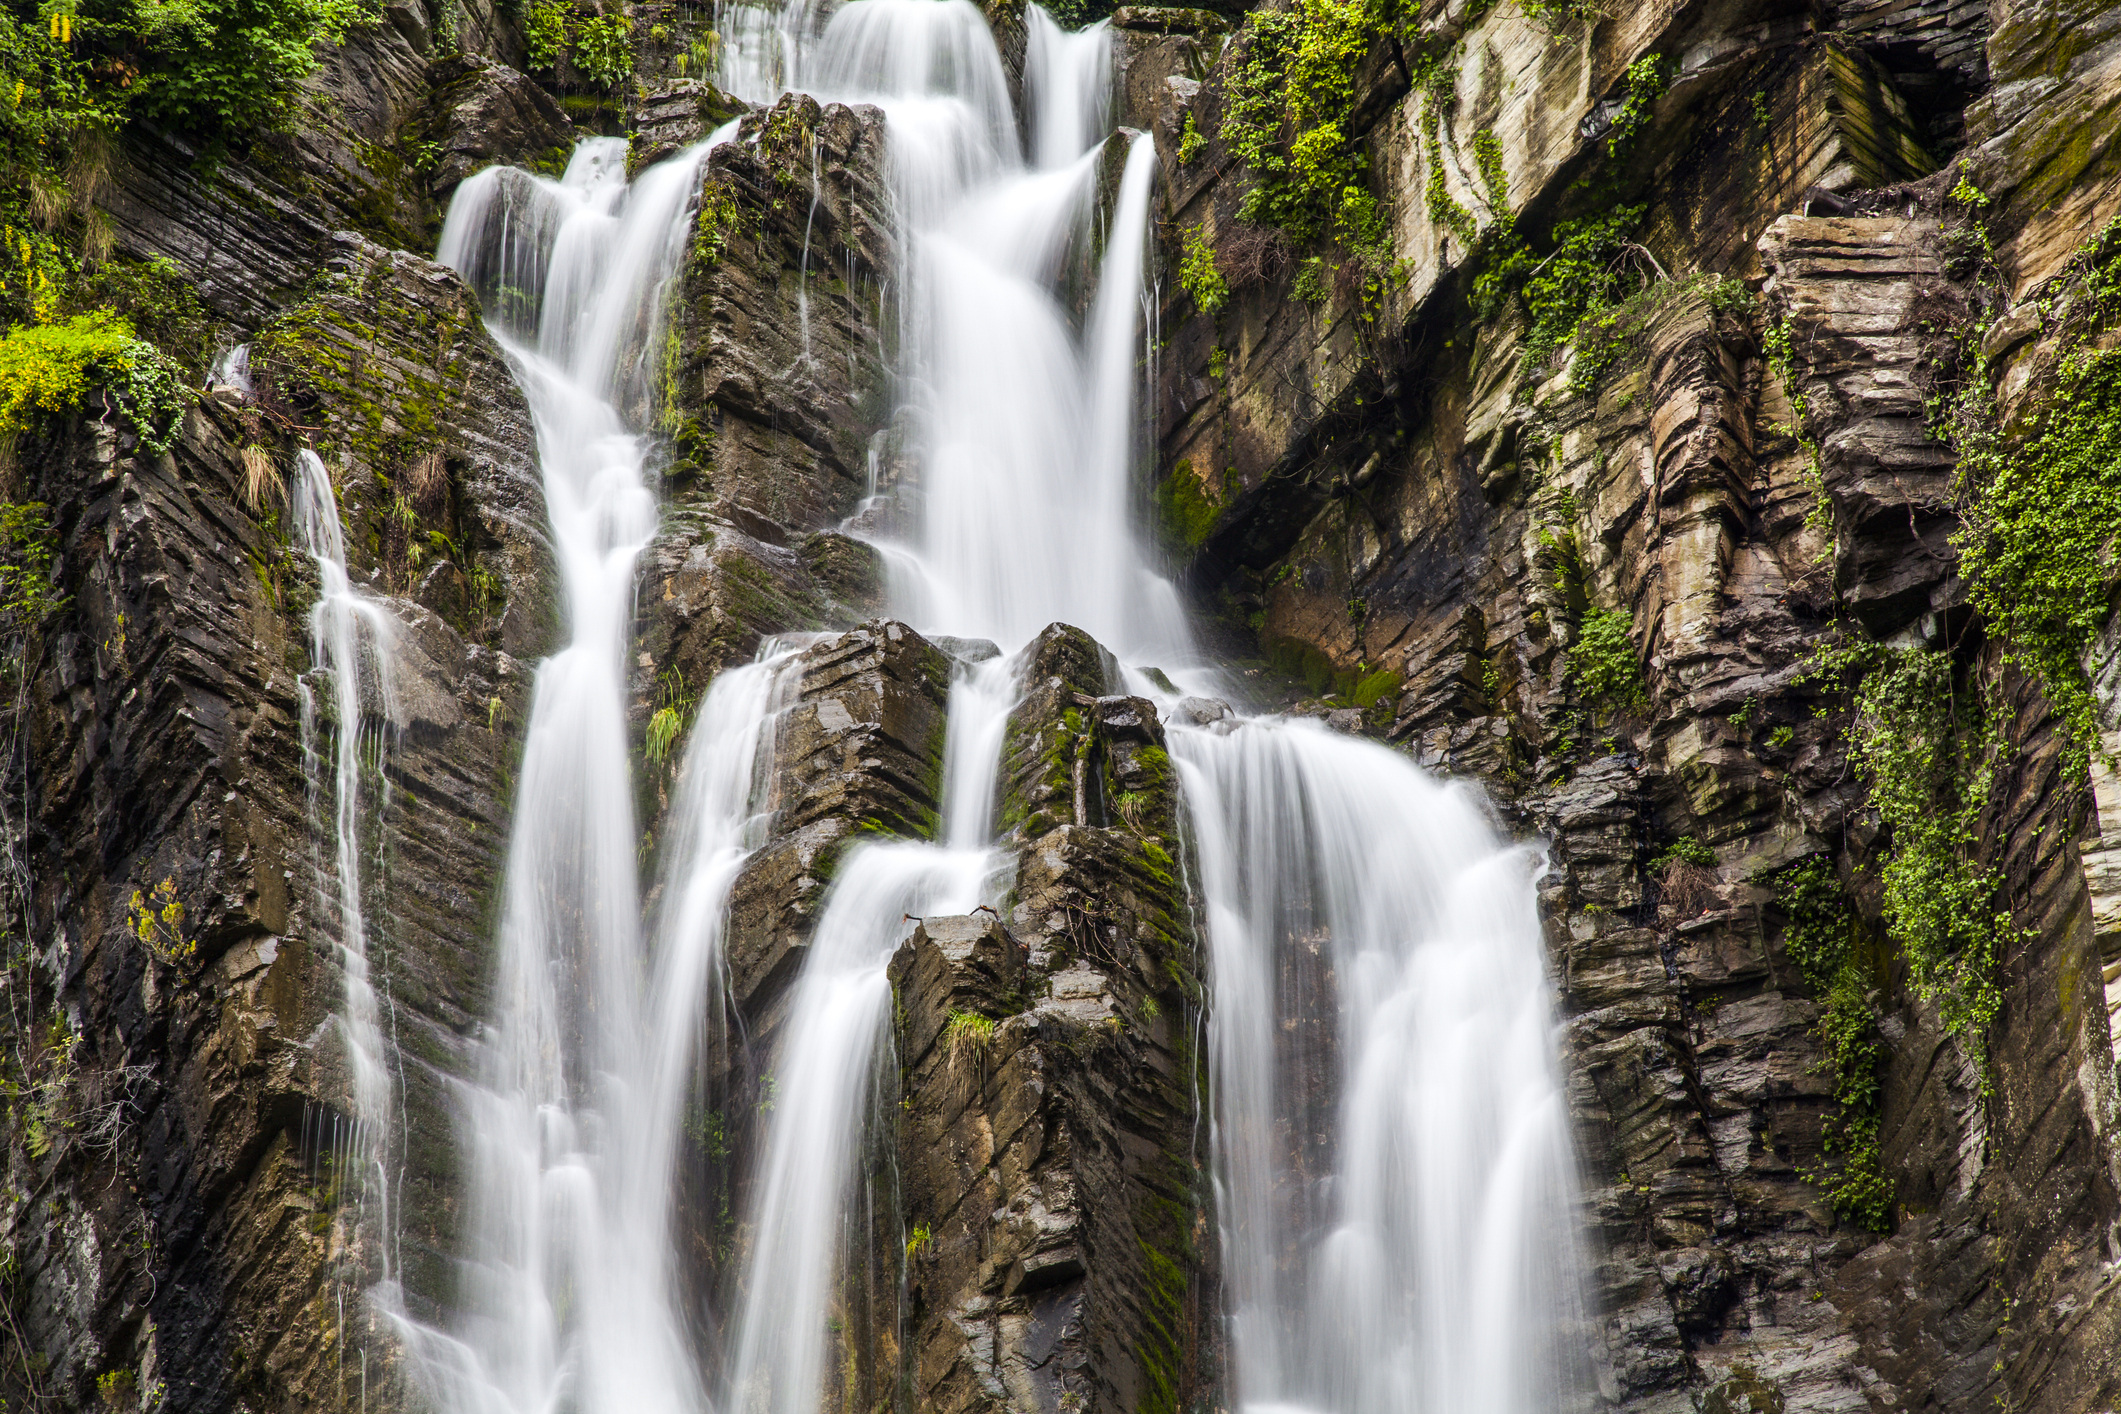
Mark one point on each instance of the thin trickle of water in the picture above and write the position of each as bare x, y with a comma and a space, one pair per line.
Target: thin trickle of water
351, 637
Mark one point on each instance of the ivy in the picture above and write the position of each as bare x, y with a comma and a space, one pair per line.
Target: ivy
1595, 261
1647, 80
1926, 756
50, 368
1289, 111
1820, 938
2042, 511
1198, 274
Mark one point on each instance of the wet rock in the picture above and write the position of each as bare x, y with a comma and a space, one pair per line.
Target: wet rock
485, 114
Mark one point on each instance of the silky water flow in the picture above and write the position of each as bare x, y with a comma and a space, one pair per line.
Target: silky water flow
349, 695
1414, 1249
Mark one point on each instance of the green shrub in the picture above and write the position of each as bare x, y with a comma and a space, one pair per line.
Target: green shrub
1603, 663
50, 368
1199, 275
602, 50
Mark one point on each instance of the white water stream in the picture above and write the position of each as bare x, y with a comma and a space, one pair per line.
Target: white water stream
351, 637
1420, 1257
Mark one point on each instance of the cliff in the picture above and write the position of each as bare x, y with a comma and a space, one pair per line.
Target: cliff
1694, 423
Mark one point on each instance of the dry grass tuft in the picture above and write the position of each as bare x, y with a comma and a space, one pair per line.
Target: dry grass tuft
426, 479
261, 478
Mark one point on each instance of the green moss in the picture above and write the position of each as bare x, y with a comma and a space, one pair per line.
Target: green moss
1186, 511
1372, 688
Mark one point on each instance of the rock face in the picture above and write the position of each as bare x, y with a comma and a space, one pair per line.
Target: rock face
1742, 484
1391, 514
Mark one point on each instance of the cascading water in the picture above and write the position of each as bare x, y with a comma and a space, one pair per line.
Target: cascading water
569, 1296
1428, 1260
1419, 1257
350, 642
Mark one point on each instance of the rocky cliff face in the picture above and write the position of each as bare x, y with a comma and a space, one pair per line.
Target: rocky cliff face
1665, 570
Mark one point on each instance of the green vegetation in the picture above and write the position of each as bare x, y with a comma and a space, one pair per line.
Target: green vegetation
1821, 939
1685, 850
1198, 274
218, 70
1290, 109
967, 1036
1191, 142
156, 918
1602, 661
1578, 291
27, 549
1923, 751
50, 368
2042, 510
545, 27
1186, 510
716, 223
1782, 361
603, 52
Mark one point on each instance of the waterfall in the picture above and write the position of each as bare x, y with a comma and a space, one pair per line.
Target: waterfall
1428, 1260
350, 641
1418, 1249
837, 1020
1413, 1249
569, 1294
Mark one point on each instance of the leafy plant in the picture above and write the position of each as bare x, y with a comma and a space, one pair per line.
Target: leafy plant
1603, 663
156, 919
545, 32
1685, 850
1198, 274
50, 369
602, 50
1191, 142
